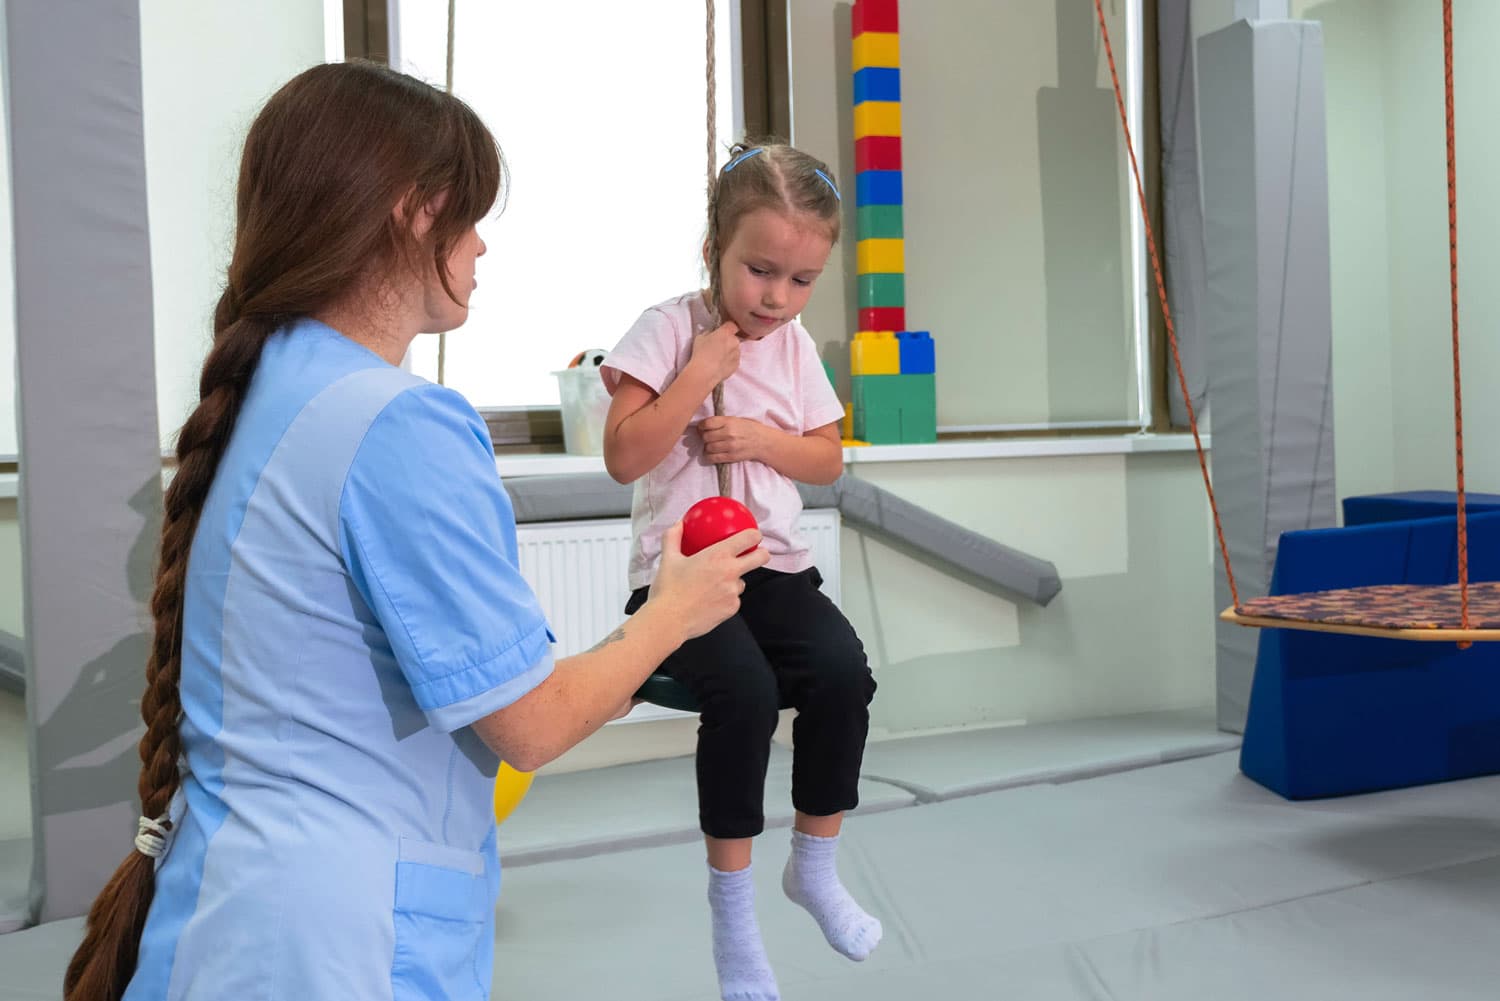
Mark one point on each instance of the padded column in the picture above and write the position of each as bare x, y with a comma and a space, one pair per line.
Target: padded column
90, 490
1267, 312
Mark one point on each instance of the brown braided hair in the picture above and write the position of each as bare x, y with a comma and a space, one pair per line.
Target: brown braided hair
326, 161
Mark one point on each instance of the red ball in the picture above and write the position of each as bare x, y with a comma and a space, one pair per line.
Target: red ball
712, 520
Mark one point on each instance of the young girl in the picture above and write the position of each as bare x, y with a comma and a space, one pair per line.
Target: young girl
344, 648
773, 219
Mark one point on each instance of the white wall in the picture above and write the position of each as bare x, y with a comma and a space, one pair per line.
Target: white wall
1418, 220
1016, 205
206, 69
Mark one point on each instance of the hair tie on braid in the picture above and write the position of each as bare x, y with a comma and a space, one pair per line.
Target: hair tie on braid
151, 836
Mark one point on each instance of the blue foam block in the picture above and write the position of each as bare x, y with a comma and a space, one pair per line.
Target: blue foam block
1334, 715
1406, 505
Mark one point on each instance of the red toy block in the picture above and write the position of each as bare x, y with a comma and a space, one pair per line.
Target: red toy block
883, 318
875, 15
877, 153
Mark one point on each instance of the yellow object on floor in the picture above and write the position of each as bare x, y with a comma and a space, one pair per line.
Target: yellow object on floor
510, 788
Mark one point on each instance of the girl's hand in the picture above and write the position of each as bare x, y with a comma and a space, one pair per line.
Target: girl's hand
717, 353
733, 439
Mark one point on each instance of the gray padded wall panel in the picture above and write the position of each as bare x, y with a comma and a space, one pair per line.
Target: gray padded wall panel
1268, 313
960, 551
90, 487
1182, 203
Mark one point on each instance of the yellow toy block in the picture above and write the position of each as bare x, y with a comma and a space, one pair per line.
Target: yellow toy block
848, 428
881, 257
877, 118
878, 49
875, 353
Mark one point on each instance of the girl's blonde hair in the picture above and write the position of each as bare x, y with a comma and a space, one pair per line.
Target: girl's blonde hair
766, 175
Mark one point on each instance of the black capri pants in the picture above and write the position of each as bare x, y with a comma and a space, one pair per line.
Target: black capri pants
788, 644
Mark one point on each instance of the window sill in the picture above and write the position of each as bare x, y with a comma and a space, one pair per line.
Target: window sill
561, 464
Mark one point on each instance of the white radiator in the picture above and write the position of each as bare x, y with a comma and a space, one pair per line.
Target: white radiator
578, 571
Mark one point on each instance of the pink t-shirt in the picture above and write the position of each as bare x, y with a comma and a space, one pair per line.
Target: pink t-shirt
780, 382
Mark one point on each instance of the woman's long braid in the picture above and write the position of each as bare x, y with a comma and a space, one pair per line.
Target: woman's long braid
98, 972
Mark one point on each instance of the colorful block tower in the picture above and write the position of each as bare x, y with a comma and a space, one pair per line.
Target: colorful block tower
892, 368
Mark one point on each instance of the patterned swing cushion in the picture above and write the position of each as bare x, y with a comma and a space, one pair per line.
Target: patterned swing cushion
1384, 606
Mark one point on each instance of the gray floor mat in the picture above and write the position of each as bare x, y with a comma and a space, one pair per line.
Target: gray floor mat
951, 765
15, 880
1180, 882
1429, 935
578, 814
1035, 886
32, 961
15, 769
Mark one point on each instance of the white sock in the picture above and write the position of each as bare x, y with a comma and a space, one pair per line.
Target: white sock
744, 971
812, 880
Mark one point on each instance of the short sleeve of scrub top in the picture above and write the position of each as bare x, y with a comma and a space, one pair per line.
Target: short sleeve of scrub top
429, 537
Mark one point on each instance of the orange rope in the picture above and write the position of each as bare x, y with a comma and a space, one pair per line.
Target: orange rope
1166, 310
1458, 393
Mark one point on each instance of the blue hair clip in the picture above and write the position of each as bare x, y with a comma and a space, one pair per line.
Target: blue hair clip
742, 158
831, 185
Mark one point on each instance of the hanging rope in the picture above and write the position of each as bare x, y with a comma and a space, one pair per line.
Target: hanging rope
720, 468
1458, 391
1458, 427
1166, 310
710, 61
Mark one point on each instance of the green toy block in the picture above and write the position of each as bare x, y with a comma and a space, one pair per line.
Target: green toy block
919, 409
882, 290
895, 409
828, 371
879, 222
873, 422
876, 426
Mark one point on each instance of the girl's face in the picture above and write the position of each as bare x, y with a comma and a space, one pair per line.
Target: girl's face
441, 312
768, 269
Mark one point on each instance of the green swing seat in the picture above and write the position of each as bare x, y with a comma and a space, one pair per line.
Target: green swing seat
669, 693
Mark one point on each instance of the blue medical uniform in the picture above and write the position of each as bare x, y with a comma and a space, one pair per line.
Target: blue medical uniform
352, 604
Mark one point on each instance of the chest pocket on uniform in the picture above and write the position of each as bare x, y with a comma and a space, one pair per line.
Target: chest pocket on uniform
444, 941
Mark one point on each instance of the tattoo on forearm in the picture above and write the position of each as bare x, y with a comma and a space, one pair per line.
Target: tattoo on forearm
613, 637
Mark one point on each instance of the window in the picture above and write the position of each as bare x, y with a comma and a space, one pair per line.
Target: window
1024, 251
601, 114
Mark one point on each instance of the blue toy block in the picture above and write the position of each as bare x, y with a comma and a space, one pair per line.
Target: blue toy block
918, 356
1333, 715
877, 83
877, 187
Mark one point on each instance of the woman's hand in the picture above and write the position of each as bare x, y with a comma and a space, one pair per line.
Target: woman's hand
702, 590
